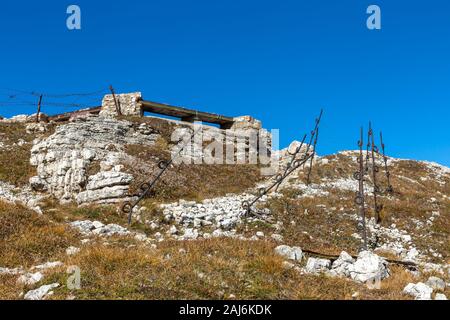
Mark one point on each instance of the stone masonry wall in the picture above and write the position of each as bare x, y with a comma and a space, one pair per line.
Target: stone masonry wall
128, 102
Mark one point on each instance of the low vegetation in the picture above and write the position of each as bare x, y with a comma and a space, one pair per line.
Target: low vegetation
28, 239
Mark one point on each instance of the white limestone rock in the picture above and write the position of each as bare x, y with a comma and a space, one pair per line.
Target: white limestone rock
30, 279
420, 291
41, 292
291, 253
341, 266
190, 234
104, 195
47, 265
63, 159
13, 272
277, 237
315, 265
440, 296
173, 230
38, 184
71, 251
436, 283
87, 227
368, 266
108, 179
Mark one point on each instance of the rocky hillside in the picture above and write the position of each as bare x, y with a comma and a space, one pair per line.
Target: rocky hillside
61, 187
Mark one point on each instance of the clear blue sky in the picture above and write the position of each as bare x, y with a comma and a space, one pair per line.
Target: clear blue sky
280, 61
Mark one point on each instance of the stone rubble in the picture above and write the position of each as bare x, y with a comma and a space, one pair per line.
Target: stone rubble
315, 265
367, 267
70, 251
420, 291
12, 272
41, 292
96, 228
89, 228
291, 253
24, 196
223, 212
440, 296
47, 265
30, 279
436, 283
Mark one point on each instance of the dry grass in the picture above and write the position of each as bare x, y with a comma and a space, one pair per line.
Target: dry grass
27, 238
15, 165
207, 269
161, 126
414, 184
193, 182
210, 269
122, 268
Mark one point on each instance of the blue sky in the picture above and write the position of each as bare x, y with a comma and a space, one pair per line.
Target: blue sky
279, 61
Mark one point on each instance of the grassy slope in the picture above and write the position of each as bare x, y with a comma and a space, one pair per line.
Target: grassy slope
121, 268
124, 268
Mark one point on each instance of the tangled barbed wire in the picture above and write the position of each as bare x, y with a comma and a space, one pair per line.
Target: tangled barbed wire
51, 102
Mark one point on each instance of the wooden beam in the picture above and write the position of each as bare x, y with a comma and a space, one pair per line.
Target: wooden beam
186, 114
66, 116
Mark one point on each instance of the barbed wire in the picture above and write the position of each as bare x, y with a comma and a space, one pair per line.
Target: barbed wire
16, 92
14, 98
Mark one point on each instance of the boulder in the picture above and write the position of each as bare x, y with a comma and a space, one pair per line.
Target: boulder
108, 179
440, 296
315, 265
436, 283
104, 195
47, 265
277, 237
190, 234
88, 227
368, 266
30, 279
41, 292
173, 230
65, 160
291, 253
70, 251
13, 272
419, 291
38, 184
341, 266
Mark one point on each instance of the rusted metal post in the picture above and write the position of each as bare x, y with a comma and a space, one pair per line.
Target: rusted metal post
376, 189
146, 187
292, 166
308, 178
116, 103
294, 157
389, 188
38, 113
359, 199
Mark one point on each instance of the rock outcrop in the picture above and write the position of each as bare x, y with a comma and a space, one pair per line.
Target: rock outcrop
291, 253
41, 292
65, 159
420, 291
